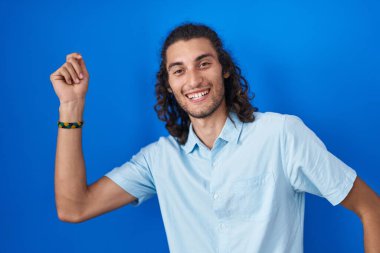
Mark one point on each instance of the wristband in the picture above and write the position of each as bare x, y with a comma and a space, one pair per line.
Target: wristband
78, 124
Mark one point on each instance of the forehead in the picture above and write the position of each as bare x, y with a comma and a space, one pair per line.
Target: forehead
182, 51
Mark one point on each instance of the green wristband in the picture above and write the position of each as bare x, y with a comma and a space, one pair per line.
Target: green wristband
70, 125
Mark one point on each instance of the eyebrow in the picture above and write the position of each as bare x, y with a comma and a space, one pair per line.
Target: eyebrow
196, 59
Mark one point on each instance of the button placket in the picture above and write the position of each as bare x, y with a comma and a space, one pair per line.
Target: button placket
223, 240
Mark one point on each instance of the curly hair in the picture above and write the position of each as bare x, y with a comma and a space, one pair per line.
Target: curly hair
236, 86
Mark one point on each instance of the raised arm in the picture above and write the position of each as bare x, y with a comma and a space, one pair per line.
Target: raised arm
366, 204
75, 200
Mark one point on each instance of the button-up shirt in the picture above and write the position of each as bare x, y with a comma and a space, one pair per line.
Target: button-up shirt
246, 194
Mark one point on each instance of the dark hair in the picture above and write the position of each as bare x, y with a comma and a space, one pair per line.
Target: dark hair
236, 86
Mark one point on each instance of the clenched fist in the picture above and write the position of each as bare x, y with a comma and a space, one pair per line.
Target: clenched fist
70, 81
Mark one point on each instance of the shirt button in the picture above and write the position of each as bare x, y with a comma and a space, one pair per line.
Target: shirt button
216, 196
222, 227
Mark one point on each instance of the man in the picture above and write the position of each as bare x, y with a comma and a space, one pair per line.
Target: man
228, 178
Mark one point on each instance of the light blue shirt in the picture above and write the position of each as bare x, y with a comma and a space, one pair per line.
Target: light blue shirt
246, 194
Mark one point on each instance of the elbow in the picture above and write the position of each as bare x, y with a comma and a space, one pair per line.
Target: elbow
372, 211
68, 217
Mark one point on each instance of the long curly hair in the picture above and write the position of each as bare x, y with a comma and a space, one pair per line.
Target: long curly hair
236, 86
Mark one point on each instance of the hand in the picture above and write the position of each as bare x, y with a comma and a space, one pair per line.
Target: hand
70, 81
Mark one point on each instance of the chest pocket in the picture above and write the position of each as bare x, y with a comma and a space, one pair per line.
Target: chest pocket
251, 198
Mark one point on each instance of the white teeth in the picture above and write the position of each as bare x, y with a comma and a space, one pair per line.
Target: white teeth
198, 95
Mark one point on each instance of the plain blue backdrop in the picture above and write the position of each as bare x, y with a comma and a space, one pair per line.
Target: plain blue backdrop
319, 60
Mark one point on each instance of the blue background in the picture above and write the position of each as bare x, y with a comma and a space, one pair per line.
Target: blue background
319, 60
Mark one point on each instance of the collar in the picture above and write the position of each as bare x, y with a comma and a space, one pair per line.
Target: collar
230, 133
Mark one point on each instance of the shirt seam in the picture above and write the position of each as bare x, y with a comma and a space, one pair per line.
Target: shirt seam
283, 155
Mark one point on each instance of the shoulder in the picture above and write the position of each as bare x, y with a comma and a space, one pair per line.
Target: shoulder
267, 121
274, 123
275, 116
163, 144
295, 130
268, 117
267, 126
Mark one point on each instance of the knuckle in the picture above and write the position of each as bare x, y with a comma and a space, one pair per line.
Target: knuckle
71, 59
70, 55
68, 66
74, 54
72, 62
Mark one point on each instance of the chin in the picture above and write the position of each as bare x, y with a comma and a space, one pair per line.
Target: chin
206, 113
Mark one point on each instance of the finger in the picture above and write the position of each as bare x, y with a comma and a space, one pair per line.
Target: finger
72, 72
57, 76
83, 67
73, 55
76, 66
66, 75
79, 58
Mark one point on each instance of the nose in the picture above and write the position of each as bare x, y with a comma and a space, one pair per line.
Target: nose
194, 78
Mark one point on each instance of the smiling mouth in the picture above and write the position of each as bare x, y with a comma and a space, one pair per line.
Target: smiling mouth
198, 95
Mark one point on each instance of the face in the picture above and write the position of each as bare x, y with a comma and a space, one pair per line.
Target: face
195, 77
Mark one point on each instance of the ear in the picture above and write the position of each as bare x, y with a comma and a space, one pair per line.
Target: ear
226, 75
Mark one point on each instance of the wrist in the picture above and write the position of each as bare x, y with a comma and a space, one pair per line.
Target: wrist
71, 111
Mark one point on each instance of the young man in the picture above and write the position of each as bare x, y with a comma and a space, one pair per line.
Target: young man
228, 178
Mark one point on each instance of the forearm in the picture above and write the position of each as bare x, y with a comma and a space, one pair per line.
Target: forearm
70, 173
371, 224
365, 202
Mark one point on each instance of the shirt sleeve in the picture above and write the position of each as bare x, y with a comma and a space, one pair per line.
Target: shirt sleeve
310, 167
135, 177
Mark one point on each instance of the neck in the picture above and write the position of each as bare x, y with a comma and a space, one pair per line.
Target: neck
208, 129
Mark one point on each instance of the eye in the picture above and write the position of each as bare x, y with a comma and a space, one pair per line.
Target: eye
204, 64
178, 72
